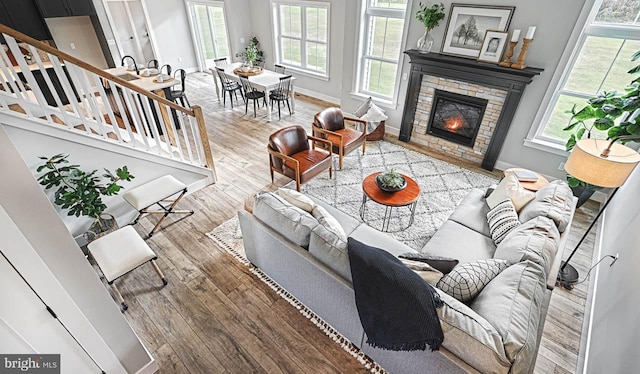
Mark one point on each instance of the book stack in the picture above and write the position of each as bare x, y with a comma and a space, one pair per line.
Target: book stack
526, 176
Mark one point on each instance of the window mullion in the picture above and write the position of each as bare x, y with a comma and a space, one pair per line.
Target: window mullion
610, 66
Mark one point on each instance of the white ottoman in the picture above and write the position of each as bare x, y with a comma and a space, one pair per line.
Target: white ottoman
157, 191
121, 252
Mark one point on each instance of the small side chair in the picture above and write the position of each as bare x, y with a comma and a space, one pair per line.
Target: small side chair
329, 124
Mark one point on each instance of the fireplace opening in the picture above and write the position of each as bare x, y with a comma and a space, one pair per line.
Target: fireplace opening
456, 117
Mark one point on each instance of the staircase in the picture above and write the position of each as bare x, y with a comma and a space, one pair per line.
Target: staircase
50, 92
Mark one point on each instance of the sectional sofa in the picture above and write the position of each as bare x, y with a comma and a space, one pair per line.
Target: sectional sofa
498, 331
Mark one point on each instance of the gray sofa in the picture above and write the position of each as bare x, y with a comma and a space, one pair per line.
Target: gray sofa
499, 331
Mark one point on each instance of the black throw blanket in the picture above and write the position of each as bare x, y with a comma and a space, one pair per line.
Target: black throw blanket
397, 308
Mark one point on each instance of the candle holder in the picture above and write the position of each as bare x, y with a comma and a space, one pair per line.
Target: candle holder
523, 52
507, 58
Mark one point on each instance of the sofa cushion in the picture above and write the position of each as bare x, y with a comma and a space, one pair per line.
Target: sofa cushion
370, 236
289, 221
471, 337
347, 222
430, 274
296, 198
329, 222
555, 201
502, 220
512, 302
467, 280
510, 188
536, 240
472, 212
457, 241
331, 250
442, 264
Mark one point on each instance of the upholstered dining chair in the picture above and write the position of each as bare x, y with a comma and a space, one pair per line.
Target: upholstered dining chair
291, 155
280, 69
228, 86
282, 93
329, 124
179, 93
250, 93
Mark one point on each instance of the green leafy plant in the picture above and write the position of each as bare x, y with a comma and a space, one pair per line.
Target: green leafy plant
391, 179
253, 51
79, 191
430, 16
617, 113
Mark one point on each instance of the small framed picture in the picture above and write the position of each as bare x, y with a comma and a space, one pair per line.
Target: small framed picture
493, 46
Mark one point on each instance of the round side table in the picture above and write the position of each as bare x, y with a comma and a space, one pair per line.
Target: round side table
531, 186
406, 197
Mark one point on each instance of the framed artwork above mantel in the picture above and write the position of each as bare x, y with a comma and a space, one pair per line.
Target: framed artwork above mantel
468, 24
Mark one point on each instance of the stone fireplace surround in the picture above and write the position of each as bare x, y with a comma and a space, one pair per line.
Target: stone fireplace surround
503, 87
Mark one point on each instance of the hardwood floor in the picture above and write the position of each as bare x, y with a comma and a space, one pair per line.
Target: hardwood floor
214, 316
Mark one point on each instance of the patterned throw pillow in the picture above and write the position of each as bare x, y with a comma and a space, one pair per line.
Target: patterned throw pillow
502, 220
467, 280
363, 108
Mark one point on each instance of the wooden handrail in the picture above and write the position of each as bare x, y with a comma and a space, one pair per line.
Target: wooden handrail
66, 57
204, 138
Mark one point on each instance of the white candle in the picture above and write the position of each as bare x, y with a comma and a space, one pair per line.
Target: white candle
515, 36
530, 32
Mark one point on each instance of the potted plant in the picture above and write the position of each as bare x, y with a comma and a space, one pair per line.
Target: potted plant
430, 17
391, 181
617, 113
81, 192
253, 51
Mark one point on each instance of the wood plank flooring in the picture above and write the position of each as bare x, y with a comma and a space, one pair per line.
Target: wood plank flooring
214, 316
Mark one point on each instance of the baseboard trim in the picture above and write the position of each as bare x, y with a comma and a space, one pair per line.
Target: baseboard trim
327, 98
150, 368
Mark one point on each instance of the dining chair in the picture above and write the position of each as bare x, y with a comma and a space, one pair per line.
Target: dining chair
258, 63
329, 124
221, 61
282, 93
168, 69
153, 64
176, 94
279, 68
291, 155
250, 93
228, 86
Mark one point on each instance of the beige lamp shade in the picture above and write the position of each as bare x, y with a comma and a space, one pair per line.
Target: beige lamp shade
587, 163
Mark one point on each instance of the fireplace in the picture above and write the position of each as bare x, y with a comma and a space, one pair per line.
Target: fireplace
456, 117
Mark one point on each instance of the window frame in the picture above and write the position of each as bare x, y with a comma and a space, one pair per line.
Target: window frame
366, 13
536, 138
195, 37
276, 27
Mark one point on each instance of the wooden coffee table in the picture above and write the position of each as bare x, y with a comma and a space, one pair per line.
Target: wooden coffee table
407, 197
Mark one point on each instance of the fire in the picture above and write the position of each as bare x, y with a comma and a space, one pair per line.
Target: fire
453, 124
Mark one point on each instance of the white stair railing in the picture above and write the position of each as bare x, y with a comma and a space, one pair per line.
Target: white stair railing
56, 89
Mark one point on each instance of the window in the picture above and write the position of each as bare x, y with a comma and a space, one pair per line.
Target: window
302, 35
381, 44
599, 63
209, 31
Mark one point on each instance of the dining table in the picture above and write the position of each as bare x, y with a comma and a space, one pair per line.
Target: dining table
266, 82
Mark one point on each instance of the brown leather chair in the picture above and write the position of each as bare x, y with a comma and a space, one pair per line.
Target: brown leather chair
329, 124
290, 155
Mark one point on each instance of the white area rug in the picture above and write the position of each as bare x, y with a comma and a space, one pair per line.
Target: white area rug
442, 185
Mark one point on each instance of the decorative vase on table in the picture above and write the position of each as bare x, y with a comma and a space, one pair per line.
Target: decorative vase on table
425, 43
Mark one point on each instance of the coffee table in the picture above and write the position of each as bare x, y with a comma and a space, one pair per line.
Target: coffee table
408, 197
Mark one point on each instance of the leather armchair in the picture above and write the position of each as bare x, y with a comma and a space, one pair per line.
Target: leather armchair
291, 155
329, 125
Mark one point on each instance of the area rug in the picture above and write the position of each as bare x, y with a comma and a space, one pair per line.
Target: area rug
442, 186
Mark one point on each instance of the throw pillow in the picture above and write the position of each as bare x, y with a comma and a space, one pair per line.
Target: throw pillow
289, 221
363, 108
296, 198
555, 201
502, 220
467, 280
426, 272
443, 264
510, 188
374, 114
490, 190
329, 222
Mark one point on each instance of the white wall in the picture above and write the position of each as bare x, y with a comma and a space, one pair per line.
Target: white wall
78, 31
29, 208
615, 327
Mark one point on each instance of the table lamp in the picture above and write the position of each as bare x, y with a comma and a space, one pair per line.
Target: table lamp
602, 163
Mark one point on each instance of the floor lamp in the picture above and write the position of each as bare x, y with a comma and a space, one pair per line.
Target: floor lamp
602, 163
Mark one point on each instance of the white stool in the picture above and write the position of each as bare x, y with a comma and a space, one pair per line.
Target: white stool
156, 192
119, 253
